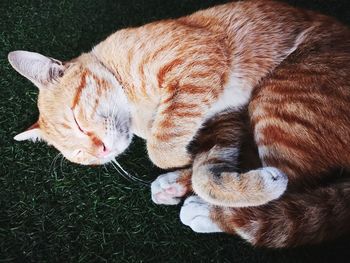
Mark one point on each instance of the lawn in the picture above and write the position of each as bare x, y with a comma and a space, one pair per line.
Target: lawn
55, 211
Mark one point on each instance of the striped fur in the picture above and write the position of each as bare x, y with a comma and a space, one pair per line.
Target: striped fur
167, 81
306, 213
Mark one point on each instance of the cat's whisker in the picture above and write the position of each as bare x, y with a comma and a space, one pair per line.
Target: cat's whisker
61, 164
113, 111
120, 173
120, 167
130, 176
114, 108
53, 163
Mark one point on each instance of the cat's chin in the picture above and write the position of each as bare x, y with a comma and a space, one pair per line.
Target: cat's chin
97, 160
107, 159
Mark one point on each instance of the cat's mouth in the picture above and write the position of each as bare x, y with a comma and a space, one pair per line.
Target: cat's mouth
89, 158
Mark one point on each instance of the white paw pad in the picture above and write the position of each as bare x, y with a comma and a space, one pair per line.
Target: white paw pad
195, 214
165, 190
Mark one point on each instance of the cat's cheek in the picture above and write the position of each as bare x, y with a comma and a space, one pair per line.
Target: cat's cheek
122, 145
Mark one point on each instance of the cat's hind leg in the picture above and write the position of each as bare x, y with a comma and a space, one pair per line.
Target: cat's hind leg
169, 188
196, 213
216, 181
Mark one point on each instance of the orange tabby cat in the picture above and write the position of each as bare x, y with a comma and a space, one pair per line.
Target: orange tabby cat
164, 80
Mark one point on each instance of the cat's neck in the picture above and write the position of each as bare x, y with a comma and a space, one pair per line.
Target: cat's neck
121, 54
114, 53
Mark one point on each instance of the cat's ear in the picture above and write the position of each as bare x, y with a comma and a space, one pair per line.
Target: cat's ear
37, 68
33, 133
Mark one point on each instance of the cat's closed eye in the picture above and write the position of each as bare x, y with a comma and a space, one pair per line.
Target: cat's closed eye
77, 123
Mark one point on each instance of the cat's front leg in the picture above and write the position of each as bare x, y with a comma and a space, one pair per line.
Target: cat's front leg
182, 109
169, 188
172, 130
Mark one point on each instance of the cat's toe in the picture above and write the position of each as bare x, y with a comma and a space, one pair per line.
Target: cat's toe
275, 180
195, 213
165, 189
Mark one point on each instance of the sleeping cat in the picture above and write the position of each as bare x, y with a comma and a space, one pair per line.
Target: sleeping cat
167, 81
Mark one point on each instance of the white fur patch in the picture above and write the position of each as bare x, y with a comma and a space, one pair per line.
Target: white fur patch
165, 190
236, 94
195, 214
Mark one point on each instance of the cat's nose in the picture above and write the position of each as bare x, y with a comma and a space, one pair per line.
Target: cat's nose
103, 151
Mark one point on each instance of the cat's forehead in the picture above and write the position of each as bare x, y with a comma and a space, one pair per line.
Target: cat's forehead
85, 86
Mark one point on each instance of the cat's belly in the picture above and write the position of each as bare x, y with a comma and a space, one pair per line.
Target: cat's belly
236, 94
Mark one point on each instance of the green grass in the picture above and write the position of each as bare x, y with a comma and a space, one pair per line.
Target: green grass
60, 212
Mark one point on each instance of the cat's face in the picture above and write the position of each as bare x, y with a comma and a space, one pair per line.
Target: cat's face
84, 111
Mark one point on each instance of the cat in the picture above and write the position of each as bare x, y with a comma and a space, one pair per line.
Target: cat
166, 80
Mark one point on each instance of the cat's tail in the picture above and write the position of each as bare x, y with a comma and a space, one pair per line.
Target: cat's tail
296, 218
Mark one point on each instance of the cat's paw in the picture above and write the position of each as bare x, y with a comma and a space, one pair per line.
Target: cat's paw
166, 190
275, 181
195, 213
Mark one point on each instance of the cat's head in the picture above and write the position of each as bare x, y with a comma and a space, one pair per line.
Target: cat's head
83, 109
